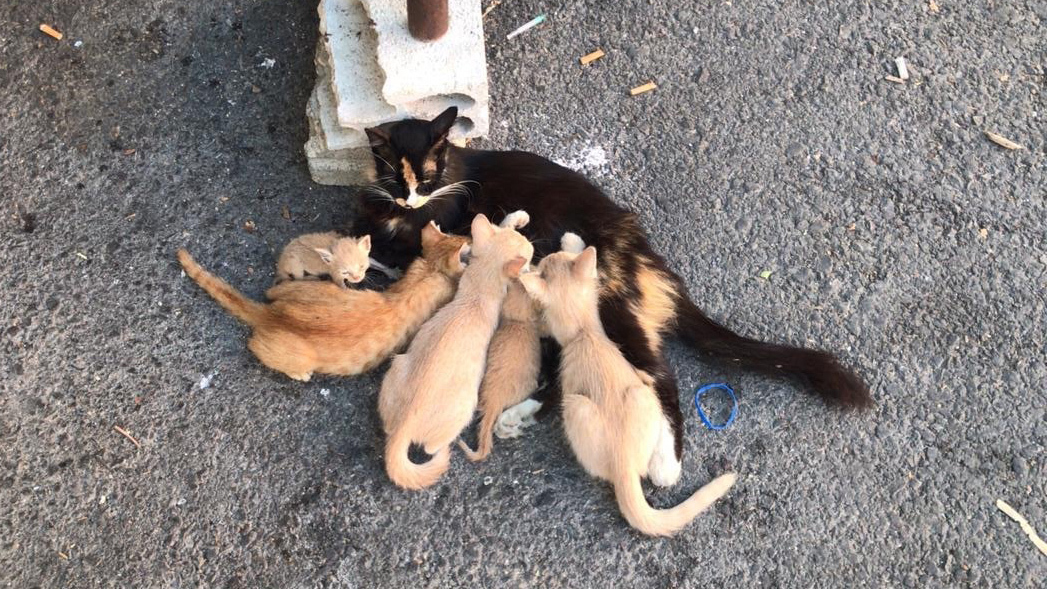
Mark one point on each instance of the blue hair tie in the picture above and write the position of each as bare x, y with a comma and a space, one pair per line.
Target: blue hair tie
705, 418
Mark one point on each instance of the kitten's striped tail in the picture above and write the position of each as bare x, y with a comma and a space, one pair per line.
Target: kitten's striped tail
241, 307
407, 474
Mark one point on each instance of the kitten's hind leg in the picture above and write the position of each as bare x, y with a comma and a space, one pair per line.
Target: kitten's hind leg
515, 419
664, 467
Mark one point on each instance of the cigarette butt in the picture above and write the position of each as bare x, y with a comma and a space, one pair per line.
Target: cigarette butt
644, 88
591, 57
1002, 141
903, 68
50, 31
894, 79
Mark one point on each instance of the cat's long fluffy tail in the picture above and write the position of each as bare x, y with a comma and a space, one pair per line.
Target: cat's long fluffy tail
834, 382
407, 474
664, 522
243, 308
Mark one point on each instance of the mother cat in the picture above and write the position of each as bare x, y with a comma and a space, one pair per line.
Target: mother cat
422, 177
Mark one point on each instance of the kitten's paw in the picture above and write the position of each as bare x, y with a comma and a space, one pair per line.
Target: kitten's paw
302, 376
515, 419
571, 242
516, 220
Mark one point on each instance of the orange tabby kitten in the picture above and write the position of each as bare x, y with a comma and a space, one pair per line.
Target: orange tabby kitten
611, 413
513, 359
318, 327
430, 392
311, 256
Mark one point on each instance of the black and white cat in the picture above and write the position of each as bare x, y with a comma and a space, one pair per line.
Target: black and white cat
421, 177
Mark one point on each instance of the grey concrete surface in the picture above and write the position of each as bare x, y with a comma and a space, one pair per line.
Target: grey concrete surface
895, 233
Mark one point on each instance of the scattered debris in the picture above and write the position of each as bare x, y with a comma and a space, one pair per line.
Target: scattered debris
285, 213
894, 79
138, 400
766, 274
1028, 529
591, 57
643, 88
1002, 141
51, 32
488, 481
81, 255
249, 226
255, 89
325, 393
903, 68
130, 151
127, 435
63, 555
1003, 77
983, 233
539, 471
933, 6
534, 22
852, 227
78, 44
26, 219
490, 8
205, 381
268, 63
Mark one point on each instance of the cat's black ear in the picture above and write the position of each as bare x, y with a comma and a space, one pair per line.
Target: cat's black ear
442, 124
377, 136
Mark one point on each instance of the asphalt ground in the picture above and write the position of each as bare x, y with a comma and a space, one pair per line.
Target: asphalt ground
894, 232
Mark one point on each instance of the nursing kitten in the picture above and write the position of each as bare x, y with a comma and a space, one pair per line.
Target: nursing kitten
315, 255
318, 327
641, 301
611, 413
429, 394
513, 358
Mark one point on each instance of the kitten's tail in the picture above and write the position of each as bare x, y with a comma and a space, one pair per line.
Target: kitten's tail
484, 438
664, 522
834, 382
243, 308
407, 474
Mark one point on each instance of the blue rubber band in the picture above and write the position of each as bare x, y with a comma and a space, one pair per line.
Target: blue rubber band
705, 418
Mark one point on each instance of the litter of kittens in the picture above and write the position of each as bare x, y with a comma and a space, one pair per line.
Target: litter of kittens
1026, 527
591, 57
643, 88
51, 32
534, 22
127, 435
1002, 141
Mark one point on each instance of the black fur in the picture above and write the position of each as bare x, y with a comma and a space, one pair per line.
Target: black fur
559, 200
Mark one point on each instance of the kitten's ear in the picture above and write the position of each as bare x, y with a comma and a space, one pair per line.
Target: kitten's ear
513, 267
377, 136
535, 286
585, 264
430, 233
365, 243
464, 253
481, 230
325, 254
441, 125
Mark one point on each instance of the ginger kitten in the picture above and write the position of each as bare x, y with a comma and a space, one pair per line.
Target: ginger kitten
611, 413
318, 327
429, 394
314, 255
513, 358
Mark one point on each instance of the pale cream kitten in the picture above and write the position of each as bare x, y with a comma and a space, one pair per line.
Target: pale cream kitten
310, 256
430, 392
611, 413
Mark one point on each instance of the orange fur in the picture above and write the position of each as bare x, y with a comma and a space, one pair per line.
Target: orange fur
611, 413
429, 394
316, 327
309, 256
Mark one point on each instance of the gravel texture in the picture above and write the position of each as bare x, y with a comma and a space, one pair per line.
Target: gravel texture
895, 233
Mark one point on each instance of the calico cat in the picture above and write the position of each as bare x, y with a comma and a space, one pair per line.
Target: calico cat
429, 394
610, 411
315, 255
513, 358
641, 300
314, 326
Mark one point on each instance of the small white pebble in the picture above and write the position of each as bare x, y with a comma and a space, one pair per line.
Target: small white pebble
488, 481
324, 393
78, 44
102, 500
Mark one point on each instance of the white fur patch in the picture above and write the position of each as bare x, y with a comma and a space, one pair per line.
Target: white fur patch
515, 419
664, 469
516, 220
570, 242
